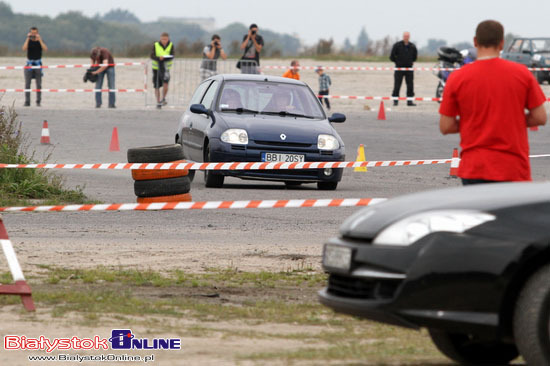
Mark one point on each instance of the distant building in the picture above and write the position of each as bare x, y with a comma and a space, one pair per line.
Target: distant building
208, 24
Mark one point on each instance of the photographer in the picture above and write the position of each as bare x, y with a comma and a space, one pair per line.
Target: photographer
162, 56
252, 46
102, 56
210, 55
34, 45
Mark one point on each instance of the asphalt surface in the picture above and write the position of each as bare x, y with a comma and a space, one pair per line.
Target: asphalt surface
84, 136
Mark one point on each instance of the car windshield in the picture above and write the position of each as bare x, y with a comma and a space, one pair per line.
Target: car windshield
541, 45
272, 98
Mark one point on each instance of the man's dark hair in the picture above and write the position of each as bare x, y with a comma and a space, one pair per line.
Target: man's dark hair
34, 28
489, 33
253, 25
293, 62
215, 36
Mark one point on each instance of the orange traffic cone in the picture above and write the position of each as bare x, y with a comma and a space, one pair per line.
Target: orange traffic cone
114, 141
45, 137
381, 112
360, 157
455, 162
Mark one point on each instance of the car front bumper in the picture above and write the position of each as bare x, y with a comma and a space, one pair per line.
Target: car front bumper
223, 152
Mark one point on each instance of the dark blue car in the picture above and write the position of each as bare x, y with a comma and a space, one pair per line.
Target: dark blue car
258, 118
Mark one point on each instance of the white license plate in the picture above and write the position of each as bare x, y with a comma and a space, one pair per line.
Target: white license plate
282, 158
336, 256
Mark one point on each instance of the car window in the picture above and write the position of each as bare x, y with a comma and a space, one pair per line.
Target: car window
514, 48
199, 92
270, 97
210, 95
541, 45
526, 46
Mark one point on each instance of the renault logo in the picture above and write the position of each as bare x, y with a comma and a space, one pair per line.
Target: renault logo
283, 136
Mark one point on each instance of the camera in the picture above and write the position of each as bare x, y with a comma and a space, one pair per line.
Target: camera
32, 38
217, 44
253, 32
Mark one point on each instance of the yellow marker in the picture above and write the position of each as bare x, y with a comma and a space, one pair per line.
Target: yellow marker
360, 157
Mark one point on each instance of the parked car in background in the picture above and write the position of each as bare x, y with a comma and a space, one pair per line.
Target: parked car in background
471, 264
531, 52
259, 118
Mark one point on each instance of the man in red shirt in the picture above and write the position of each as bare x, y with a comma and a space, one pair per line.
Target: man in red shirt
485, 102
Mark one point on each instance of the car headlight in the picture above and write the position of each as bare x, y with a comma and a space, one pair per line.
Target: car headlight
327, 142
409, 230
235, 136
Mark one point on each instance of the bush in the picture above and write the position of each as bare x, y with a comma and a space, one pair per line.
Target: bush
20, 186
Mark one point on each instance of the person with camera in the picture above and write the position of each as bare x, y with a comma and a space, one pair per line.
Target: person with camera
102, 56
162, 56
252, 45
34, 45
210, 54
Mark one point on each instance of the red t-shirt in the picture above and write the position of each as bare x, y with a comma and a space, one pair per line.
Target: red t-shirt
491, 96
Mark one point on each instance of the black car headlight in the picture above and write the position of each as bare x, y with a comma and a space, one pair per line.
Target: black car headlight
407, 231
235, 136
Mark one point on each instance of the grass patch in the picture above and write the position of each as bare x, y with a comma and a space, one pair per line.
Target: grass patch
26, 186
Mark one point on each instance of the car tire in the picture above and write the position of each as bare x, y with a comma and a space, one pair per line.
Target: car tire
155, 154
327, 186
532, 319
540, 77
150, 174
464, 349
211, 179
186, 197
162, 187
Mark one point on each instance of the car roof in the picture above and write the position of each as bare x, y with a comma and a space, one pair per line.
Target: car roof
255, 77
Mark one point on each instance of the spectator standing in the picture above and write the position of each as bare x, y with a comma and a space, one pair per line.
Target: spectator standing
485, 102
324, 84
404, 54
162, 56
294, 71
102, 56
34, 45
210, 55
252, 45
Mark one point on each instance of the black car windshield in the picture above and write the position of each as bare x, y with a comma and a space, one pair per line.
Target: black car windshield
272, 98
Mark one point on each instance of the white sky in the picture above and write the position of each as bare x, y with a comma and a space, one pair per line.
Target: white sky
314, 19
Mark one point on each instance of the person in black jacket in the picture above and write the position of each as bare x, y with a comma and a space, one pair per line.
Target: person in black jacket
403, 53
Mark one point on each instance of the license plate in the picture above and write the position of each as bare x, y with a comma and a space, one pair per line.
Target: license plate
337, 257
282, 158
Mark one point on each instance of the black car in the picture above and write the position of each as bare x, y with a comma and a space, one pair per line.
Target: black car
471, 264
258, 118
531, 52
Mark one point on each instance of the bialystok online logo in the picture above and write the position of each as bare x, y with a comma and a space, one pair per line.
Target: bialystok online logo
121, 339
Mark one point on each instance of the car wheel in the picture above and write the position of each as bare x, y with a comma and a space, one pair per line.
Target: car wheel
466, 349
211, 179
327, 186
155, 154
162, 187
532, 319
191, 174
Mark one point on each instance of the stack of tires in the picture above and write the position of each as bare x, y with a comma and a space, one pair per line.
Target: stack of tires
159, 185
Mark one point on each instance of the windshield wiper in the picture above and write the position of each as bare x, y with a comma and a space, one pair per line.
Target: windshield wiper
289, 114
240, 110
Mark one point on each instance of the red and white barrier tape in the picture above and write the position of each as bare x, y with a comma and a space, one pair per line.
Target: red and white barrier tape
364, 97
232, 165
205, 205
377, 68
73, 90
70, 66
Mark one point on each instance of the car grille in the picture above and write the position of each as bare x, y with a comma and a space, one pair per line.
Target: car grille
361, 288
282, 143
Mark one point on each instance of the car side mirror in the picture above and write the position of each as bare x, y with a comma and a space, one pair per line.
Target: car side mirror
199, 109
337, 118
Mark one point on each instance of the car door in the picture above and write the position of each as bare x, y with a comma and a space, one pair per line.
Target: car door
513, 53
526, 53
189, 119
202, 122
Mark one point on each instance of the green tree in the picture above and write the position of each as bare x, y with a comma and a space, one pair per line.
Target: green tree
362, 41
120, 16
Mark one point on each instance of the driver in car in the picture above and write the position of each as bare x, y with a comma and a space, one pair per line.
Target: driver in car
280, 101
231, 99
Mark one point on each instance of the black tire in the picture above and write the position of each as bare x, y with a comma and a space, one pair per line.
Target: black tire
162, 187
468, 350
191, 175
532, 319
155, 154
327, 186
540, 77
212, 179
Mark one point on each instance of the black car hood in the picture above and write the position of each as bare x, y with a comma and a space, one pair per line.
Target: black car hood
269, 128
368, 222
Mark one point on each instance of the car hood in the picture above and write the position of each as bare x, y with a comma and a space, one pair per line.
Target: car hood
270, 128
368, 222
